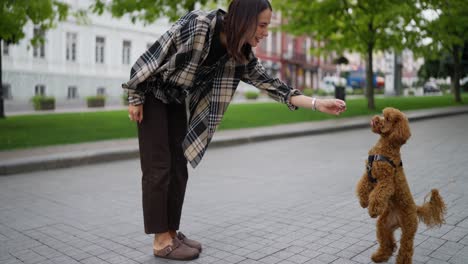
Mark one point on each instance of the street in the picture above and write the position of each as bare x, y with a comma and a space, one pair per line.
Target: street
280, 201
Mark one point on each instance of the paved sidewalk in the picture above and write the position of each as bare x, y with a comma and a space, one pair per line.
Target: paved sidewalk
63, 156
288, 201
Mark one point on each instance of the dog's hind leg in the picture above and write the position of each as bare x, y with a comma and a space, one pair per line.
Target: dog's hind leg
386, 225
409, 226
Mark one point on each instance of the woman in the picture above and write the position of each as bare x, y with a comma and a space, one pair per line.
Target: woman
196, 65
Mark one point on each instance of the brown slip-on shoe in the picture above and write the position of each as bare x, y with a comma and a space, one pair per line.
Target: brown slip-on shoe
189, 242
177, 251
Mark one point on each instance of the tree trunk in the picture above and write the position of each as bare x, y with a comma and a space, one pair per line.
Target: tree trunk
2, 108
369, 77
456, 73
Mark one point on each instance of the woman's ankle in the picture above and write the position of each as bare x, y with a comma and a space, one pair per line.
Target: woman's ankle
173, 233
162, 240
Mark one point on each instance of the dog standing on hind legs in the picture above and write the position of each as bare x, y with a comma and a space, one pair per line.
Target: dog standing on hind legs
383, 189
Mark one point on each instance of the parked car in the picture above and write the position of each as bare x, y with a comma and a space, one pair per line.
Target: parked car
431, 87
328, 83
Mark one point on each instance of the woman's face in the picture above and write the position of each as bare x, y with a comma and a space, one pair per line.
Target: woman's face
261, 31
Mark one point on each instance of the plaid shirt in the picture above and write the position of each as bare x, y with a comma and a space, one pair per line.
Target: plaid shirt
176, 57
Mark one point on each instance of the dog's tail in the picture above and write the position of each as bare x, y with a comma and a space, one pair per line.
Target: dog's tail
432, 212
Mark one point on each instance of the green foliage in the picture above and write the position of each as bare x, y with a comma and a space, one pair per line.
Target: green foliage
356, 26
379, 91
358, 91
447, 35
147, 11
251, 95
321, 92
16, 13
125, 98
308, 91
43, 102
96, 101
351, 25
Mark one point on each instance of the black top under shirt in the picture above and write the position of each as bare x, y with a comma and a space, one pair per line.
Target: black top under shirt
217, 50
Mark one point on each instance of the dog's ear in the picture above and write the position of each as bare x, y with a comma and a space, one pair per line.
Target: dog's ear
400, 131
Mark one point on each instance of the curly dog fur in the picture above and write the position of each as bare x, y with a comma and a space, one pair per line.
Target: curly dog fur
389, 197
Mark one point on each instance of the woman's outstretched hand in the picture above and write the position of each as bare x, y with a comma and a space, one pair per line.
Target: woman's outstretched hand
330, 106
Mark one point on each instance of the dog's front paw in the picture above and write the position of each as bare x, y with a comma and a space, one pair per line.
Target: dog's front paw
363, 203
375, 210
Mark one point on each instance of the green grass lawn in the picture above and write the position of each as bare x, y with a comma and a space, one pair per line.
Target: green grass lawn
52, 129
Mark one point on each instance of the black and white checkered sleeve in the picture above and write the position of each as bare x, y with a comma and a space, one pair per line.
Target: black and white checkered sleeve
256, 75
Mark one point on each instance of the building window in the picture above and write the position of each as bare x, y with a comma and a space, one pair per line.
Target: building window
101, 91
39, 90
126, 49
148, 45
6, 49
100, 44
72, 92
274, 43
39, 49
264, 44
6, 91
71, 46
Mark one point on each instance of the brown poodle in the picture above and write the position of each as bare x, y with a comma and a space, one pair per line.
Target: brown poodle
383, 189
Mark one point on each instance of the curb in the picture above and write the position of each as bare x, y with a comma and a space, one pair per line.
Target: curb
229, 138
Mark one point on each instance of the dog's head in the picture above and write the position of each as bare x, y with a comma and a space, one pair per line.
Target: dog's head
392, 125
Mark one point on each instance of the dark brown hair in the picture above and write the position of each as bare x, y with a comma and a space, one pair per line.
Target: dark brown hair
240, 23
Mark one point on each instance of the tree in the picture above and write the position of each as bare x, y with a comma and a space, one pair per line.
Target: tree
447, 34
353, 25
15, 14
148, 11
442, 66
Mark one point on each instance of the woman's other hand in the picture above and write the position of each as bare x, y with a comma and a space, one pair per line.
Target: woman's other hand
135, 113
330, 106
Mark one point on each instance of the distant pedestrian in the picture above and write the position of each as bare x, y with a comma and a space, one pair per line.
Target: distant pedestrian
196, 66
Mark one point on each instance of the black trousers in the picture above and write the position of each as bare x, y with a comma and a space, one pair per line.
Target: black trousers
163, 164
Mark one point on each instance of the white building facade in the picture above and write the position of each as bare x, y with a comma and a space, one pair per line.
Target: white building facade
77, 60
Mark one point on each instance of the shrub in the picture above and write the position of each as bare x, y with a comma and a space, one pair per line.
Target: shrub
41, 102
251, 95
96, 101
358, 91
379, 91
445, 88
308, 91
321, 92
411, 92
125, 98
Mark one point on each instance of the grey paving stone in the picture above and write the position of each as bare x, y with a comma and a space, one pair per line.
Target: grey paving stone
421, 258
11, 261
315, 261
456, 234
440, 256
346, 254
234, 258
27, 256
298, 259
270, 260
93, 260
326, 258
432, 243
437, 261
343, 261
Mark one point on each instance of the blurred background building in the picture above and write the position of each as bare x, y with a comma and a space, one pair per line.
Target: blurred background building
76, 60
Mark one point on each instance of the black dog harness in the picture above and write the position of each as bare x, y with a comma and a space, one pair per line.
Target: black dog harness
373, 158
